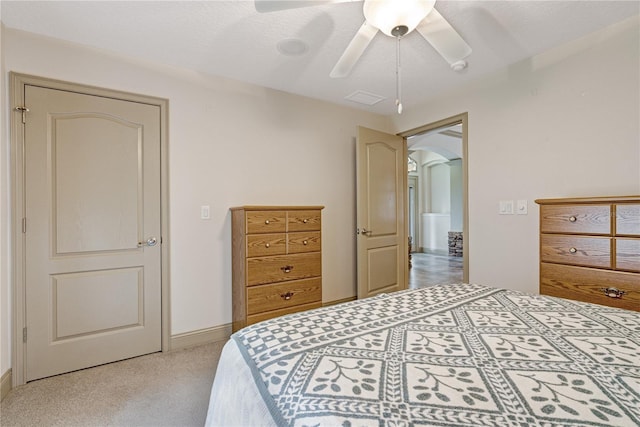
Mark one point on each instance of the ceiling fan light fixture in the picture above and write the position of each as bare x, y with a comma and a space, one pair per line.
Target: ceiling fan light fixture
389, 14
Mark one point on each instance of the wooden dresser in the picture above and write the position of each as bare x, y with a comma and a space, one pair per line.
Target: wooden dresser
277, 261
590, 250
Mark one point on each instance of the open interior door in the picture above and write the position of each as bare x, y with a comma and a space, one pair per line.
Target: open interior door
382, 246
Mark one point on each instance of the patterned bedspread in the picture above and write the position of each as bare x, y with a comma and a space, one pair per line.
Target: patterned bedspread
451, 355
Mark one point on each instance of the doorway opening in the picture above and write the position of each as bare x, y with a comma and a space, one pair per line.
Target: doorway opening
437, 202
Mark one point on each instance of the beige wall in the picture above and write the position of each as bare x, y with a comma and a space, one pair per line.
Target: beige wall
5, 271
230, 144
565, 123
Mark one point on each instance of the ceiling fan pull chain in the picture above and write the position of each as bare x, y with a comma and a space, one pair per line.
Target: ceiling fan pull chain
398, 82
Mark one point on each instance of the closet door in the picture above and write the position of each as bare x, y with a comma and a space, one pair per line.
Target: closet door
92, 240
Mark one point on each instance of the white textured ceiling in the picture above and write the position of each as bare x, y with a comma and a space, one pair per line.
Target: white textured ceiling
230, 39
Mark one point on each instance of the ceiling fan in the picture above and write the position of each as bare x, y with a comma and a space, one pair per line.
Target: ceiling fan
395, 18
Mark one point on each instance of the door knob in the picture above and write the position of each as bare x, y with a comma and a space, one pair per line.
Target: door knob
363, 231
151, 241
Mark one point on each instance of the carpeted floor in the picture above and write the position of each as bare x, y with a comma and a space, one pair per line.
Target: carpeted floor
161, 389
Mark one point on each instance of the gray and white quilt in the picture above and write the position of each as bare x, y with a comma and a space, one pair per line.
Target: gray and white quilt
450, 355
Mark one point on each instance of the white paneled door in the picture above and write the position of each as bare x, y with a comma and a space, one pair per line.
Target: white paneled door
381, 185
92, 230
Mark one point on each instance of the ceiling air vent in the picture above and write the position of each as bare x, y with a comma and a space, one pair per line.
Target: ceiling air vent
364, 98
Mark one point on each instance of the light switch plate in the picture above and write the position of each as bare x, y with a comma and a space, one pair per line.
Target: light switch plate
506, 207
521, 207
205, 212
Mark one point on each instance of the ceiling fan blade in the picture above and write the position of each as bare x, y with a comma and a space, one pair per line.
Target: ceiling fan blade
265, 6
443, 37
354, 51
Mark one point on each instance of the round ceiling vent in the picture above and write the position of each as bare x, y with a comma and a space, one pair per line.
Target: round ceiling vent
292, 47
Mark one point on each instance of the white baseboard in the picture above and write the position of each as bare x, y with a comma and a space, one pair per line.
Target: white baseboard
218, 333
200, 337
443, 252
339, 301
5, 384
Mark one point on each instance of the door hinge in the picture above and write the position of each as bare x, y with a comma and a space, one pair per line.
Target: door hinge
24, 334
24, 225
24, 111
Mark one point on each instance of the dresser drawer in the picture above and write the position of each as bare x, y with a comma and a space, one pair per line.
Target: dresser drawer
281, 268
591, 219
304, 220
628, 254
282, 295
591, 285
304, 242
266, 222
576, 250
255, 318
628, 220
266, 244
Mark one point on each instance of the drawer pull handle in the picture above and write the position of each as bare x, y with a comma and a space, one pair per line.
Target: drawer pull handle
613, 292
573, 219
286, 296
266, 221
267, 245
305, 220
304, 242
287, 268
573, 250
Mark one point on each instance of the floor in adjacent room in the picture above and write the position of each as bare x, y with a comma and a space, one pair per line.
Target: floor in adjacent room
429, 270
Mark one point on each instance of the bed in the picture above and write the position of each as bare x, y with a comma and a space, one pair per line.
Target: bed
448, 355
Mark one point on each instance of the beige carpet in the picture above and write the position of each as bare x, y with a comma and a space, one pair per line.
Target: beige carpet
162, 389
